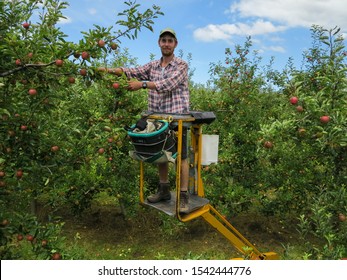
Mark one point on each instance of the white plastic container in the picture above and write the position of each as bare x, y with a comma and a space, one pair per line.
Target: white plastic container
209, 149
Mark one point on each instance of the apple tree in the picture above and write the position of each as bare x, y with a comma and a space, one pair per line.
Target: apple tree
57, 112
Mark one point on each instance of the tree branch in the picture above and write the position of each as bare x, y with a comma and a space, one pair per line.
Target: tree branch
25, 66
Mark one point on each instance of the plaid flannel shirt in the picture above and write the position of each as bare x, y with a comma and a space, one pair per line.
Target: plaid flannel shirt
172, 93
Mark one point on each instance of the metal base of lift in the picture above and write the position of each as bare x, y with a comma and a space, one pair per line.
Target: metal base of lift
169, 206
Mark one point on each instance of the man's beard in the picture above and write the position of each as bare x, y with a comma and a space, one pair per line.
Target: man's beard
166, 52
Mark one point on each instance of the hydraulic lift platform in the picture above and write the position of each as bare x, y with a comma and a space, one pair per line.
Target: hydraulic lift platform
199, 206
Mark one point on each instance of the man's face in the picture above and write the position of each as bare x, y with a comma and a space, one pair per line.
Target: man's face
167, 44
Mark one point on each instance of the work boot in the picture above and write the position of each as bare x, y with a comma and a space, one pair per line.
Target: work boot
163, 193
184, 200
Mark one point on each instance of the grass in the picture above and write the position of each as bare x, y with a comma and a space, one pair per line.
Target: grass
104, 233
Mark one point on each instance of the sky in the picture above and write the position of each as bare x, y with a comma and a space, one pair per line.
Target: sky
205, 28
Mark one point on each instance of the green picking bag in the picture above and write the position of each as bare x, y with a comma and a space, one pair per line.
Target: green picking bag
154, 143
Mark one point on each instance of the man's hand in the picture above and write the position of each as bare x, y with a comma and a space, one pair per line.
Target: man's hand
134, 85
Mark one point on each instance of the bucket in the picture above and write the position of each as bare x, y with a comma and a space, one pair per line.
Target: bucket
209, 149
150, 144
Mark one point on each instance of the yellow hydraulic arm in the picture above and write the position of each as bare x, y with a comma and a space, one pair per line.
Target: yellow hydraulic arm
202, 206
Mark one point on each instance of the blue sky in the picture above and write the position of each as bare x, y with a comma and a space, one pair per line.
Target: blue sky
278, 28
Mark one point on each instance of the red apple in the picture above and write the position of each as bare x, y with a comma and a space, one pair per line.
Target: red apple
44, 243
59, 62
5, 222
19, 173
2, 174
77, 55
101, 151
101, 43
268, 144
26, 25
342, 217
115, 85
32, 91
71, 80
299, 108
302, 131
114, 46
55, 149
23, 127
83, 72
56, 256
294, 100
18, 62
85, 55
19, 237
30, 238
324, 119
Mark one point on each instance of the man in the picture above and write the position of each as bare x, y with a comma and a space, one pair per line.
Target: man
167, 82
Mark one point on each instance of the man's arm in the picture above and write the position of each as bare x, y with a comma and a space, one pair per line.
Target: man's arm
116, 71
136, 85
133, 85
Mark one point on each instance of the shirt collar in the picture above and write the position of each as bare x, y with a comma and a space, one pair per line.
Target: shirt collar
172, 62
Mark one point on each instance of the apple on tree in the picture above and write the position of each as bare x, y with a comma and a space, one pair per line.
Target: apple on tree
114, 46
55, 149
71, 80
294, 100
101, 43
32, 91
23, 127
302, 131
19, 173
5, 222
299, 108
59, 62
30, 238
85, 55
324, 119
26, 25
268, 144
83, 72
56, 256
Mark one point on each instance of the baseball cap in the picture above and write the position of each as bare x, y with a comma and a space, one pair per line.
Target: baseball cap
168, 30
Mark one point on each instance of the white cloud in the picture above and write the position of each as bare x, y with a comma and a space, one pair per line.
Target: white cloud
210, 33
295, 13
278, 49
258, 18
214, 32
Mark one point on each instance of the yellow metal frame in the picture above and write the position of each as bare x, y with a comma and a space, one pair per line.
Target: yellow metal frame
207, 212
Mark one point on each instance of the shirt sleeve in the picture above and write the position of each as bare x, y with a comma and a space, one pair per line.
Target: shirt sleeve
140, 73
175, 79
